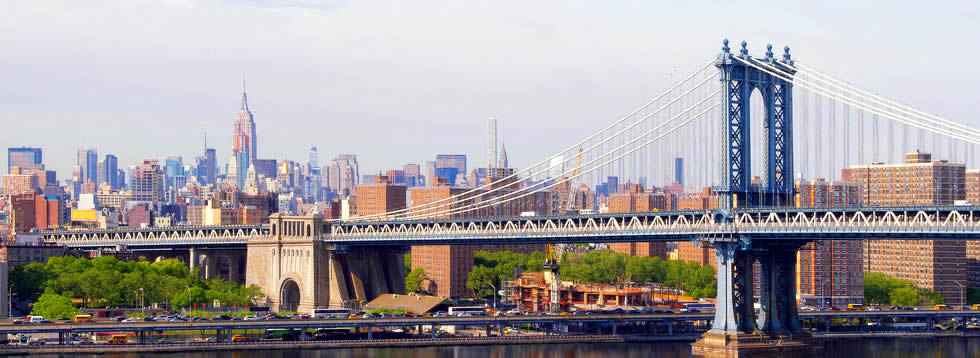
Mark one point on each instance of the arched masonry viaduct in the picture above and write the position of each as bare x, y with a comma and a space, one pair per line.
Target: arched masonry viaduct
298, 271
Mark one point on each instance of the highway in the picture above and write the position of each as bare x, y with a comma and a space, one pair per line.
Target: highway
107, 326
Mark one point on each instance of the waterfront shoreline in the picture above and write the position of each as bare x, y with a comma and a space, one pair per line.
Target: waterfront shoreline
249, 346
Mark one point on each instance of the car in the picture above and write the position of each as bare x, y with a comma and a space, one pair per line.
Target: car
119, 318
565, 314
238, 338
693, 310
88, 321
131, 320
176, 319
251, 318
19, 321
221, 318
236, 318
579, 313
305, 316
895, 308
149, 319
46, 321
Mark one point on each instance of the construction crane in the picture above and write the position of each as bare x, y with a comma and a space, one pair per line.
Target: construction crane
555, 251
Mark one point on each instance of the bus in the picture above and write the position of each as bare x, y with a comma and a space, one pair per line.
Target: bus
286, 334
330, 313
699, 306
82, 318
855, 307
467, 311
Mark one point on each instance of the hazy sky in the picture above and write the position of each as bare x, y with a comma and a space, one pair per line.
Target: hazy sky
398, 82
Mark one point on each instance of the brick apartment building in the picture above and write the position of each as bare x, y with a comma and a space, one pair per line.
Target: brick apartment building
636, 201
937, 265
829, 272
449, 266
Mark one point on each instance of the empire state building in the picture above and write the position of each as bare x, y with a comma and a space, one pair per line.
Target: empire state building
243, 148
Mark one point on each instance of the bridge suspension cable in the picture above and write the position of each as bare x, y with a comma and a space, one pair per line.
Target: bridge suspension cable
597, 146
918, 124
479, 191
511, 196
882, 100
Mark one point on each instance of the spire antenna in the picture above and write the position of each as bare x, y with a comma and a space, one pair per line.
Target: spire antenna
244, 96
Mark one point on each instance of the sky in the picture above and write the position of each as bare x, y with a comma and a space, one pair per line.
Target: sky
400, 81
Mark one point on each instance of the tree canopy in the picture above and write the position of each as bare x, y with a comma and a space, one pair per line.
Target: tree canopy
881, 289
605, 267
490, 268
414, 280
106, 281
54, 306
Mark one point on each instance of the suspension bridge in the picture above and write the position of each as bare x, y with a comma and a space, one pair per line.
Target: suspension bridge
747, 125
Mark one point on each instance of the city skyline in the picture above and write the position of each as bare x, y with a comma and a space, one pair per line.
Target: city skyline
173, 99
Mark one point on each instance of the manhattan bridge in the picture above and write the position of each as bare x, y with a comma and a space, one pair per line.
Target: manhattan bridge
746, 125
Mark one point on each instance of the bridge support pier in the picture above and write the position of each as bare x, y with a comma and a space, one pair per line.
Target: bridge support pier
192, 258
737, 330
210, 266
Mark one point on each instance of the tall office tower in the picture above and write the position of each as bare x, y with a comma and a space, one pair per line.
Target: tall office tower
344, 174
206, 165
121, 179
243, 147
88, 162
174, 168
502, 163
492, 143
314, 166
829, 272
147, 183
24, 157
449, 166
109, 171
679, 171
430, 172
412, 174
939, 265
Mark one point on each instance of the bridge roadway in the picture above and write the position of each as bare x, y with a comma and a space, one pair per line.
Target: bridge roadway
10, 328
857, 223
860, 223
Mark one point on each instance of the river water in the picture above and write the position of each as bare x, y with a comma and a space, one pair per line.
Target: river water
842, 348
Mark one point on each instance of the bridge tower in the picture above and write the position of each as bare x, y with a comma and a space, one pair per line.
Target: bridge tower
739, 81
737, 328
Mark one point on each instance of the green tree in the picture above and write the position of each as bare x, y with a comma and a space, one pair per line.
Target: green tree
414, 280
27, 281
905, 296
480, 279
408, 262
54, 306
187, 297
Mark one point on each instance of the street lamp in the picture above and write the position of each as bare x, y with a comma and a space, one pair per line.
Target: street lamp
962, 294
188, 300
494, 297
142, 305
826, 285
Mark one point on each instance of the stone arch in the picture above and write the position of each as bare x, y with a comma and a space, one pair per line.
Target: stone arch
274, 226
289, 295
309, 230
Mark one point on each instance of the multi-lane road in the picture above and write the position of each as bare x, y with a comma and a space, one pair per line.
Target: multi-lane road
106, 326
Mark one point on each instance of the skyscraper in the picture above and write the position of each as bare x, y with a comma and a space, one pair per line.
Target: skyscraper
88, 162
23, 157
244, 146
148, 183
450, 165
107, 170
174, 170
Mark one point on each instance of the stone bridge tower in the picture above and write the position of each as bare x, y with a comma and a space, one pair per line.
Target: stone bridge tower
298, 270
